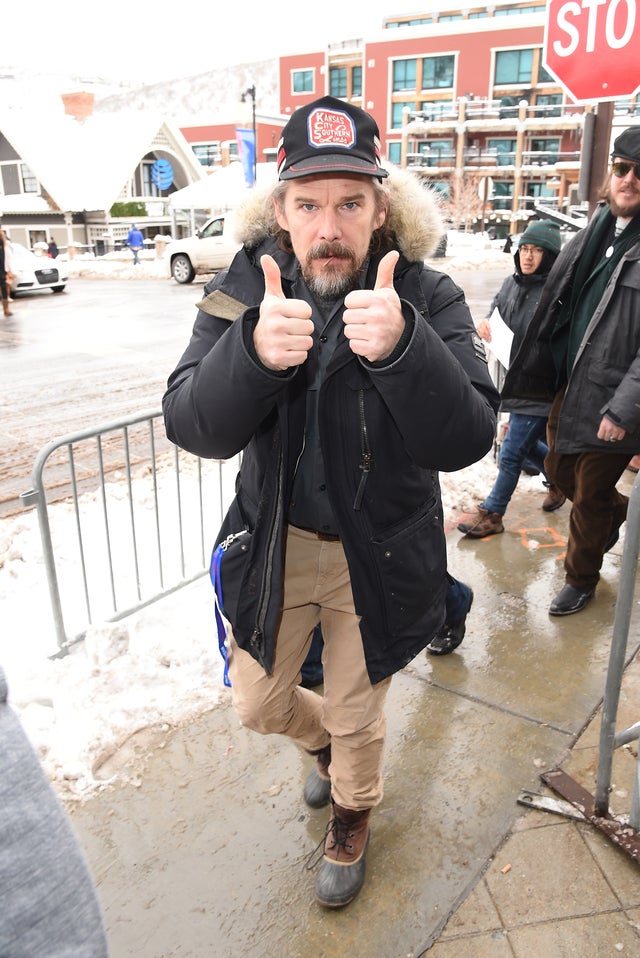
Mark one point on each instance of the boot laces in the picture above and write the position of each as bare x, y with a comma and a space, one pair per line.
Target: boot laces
341, 834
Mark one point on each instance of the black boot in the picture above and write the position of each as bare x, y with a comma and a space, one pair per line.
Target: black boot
317, 788
341, 874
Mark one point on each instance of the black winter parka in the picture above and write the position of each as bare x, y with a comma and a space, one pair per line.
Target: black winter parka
385, 433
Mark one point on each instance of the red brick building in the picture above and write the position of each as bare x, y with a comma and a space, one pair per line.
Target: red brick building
463, 98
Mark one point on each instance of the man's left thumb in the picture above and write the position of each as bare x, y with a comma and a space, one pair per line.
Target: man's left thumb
386, 266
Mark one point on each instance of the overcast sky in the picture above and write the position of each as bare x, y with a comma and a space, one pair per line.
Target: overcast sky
148, 42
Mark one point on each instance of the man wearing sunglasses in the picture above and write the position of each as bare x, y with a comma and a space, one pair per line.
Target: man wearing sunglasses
582, 351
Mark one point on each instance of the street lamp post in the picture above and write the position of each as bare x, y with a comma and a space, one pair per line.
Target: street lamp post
251, 91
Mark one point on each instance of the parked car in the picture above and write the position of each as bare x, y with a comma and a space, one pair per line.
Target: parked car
212, 248
36, 272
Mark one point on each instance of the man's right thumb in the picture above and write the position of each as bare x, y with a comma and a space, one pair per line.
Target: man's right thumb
272, 279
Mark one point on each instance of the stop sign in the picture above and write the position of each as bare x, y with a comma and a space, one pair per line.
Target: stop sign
592, 47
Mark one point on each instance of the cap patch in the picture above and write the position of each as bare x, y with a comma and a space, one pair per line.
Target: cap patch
331, 128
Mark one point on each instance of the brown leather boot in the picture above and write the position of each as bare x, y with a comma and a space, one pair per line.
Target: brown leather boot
482, 523
553, 499
317, 788
6, 308
341, 874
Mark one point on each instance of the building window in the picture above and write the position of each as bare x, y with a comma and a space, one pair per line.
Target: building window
338, 81
440, 153
548, 104
29, 181
397, 114
538, 191
505, 150
542, 151
404, 75
395, 152
514, 66
436, 109
207, 154
302, 81
356, 81
515, 11
414, 22
437, 72
149, 188
502, 195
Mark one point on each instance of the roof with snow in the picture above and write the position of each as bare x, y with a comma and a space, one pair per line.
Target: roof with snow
85, 164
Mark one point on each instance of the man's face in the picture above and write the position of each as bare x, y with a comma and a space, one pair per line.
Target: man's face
330, 219
530, 258
624, 191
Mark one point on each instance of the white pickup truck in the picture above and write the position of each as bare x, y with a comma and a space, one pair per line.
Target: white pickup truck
212, 248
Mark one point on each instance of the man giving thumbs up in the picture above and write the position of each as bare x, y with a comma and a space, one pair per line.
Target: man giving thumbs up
348, 373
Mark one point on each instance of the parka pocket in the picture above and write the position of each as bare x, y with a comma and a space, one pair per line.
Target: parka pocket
230, 559
233, 565
412, 562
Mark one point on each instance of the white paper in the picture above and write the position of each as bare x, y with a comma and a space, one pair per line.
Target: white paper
501, 338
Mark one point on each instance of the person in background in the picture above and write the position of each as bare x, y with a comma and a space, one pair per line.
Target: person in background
52, 248
135, 242
448, 637
524, 443
582, 350
6, 272
49, 904
348, 373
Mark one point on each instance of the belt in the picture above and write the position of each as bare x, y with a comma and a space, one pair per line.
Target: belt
323, 536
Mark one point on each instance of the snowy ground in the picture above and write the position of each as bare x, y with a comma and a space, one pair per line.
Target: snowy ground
159, 666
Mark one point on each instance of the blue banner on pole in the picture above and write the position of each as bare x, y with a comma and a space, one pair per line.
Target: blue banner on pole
247, 152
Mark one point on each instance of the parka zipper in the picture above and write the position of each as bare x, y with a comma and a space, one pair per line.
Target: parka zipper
366, 462
257, 638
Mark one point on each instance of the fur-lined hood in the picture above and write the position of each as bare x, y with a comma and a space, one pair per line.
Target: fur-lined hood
414, 218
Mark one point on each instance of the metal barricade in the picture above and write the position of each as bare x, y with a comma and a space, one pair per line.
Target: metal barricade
624, 832
134, 520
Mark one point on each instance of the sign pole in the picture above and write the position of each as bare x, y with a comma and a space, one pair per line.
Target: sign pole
601, 149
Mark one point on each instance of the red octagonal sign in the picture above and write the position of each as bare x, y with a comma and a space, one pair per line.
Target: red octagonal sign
592, 47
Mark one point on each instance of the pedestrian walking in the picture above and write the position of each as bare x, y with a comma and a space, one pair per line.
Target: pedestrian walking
348, 373
582, 350
523, 446
135, 242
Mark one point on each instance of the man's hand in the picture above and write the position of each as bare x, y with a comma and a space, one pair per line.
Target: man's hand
609, 432
373, 320
484, 330
282, 336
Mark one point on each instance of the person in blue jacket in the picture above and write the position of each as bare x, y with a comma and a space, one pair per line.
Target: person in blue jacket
135, 242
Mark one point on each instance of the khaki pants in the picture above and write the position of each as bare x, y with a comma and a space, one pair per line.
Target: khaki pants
588, 480
350, 714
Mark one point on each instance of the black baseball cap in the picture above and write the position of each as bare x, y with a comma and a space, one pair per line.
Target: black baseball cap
329, 136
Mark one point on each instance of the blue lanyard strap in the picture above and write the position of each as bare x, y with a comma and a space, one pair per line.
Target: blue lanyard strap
214, 573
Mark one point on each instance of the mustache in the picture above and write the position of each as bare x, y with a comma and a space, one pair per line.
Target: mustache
330, 251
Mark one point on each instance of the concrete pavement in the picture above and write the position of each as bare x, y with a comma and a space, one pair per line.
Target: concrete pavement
200, 847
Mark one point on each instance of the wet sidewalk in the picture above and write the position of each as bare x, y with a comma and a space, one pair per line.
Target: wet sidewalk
199, 851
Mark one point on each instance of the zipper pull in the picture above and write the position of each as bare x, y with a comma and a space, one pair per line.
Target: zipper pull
365, 467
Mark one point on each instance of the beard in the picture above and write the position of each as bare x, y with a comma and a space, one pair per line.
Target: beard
625, 204
338, 277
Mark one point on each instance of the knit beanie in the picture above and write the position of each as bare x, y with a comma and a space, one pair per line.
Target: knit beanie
542, 233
